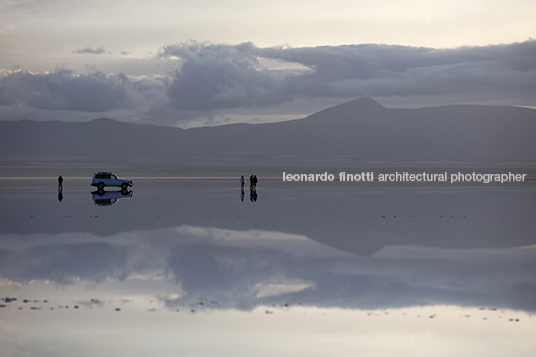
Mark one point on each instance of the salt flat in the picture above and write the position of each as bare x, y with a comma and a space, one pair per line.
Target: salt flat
303, 262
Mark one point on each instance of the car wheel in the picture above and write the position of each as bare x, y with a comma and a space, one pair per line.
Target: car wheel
100, 185
124, 185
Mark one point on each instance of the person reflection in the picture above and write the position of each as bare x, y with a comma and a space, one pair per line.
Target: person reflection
242, 182
60, 188
253, 194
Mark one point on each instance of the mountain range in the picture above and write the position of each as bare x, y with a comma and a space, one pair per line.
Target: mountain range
360, 131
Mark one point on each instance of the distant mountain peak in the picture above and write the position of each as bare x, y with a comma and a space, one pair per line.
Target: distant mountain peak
359, 105
350, 110
366, 102
108, 123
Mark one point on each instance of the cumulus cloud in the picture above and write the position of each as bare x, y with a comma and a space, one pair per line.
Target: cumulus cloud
218, 79
221, 76
232, 75
64, 89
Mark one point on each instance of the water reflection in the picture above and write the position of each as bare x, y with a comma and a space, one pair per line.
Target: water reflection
182, 259
245, 269
108, 198
60, 188
358, 221
253, 194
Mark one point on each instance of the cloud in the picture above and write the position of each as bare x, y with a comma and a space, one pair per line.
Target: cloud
233, 75
209, 80
221, 76
96, 51
64, 89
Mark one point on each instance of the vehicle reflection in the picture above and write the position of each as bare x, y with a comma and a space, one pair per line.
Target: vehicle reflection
108, 198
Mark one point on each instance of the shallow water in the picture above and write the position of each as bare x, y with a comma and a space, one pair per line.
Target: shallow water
188, 268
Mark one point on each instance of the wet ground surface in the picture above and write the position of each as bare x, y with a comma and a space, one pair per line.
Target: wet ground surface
192, 267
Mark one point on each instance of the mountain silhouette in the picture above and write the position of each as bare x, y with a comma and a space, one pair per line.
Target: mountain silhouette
360, 131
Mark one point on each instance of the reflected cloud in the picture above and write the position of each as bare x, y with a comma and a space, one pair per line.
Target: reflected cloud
64, 263
194, 246
214, 234
243, 270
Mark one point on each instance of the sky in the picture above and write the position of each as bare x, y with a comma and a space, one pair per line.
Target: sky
206, 62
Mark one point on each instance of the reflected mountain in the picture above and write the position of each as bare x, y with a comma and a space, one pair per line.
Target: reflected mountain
108, 198
357, 220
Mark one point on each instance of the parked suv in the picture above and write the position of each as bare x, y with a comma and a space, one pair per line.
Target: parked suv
102, 179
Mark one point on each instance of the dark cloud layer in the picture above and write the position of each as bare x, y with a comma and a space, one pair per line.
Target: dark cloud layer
228, 72
64, 89
220, 77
